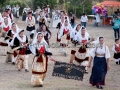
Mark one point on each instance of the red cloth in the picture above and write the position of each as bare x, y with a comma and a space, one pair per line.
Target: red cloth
42, 50
3, 44
22, 51
12, 35
6, 29
83, 41
68, 37
30, 18
66, 31
0, 23
58, 40
15, 54
117, 48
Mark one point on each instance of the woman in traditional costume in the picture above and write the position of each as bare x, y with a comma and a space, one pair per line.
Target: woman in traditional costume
39, 48
41, 18
59, 25
6, 26
10, 35
64, 35
81, 56
100, 56
20, 43
46, 32
24, 14
74, 32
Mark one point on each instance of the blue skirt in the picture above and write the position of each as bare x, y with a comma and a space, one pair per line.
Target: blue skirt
99, 71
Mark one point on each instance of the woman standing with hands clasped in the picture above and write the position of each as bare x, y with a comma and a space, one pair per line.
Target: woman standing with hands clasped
100, 56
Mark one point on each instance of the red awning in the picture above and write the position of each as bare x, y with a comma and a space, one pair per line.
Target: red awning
110, 3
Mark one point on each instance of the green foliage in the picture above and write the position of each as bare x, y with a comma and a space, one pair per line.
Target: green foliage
2, 3
44, 3
76, 6
21, 5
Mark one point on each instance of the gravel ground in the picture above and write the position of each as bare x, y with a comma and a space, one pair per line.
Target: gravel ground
11, 79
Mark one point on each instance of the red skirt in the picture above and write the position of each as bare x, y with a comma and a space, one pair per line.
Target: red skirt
22, 51
68, 37
58, 40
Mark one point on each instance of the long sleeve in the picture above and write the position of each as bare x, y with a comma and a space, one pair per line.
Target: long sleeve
92, 52
107, 55
34, 19
61, 33
113, 49
38, 18
26, 20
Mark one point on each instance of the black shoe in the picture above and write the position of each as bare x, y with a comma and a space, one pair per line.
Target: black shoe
13, 63
99, 87
19, 70
41, 86
119, 62
116, 62
26, 70
86, 72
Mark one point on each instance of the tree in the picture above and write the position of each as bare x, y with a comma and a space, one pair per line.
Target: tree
44, 3
2, 2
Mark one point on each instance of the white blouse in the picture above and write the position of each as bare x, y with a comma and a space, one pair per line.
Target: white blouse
62, 30
99, 50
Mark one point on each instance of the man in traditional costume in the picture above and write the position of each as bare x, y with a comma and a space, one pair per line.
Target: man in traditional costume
30, 21
39, 48
20, 43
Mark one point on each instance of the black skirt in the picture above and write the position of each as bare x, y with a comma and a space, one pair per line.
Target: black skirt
30, 28
116, 55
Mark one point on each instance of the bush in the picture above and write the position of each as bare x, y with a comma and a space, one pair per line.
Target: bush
21, 5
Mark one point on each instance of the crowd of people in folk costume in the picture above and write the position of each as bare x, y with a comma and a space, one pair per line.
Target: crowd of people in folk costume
68, 35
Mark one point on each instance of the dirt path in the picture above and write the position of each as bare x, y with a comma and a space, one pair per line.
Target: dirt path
11, 79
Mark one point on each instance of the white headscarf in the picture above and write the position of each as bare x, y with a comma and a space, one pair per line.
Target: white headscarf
93, 50
18, 36
86, 33
96, 42
79, 34
35, 44
72, 34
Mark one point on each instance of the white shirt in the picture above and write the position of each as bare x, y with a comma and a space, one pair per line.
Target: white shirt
62, 30
84, 19
99, 50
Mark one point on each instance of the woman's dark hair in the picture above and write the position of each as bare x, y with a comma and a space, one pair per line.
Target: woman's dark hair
100, 37
39, 34
83, 27
116, 39
65, 17
78, 25
66, 20
13, 24
46, 29
83, 13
